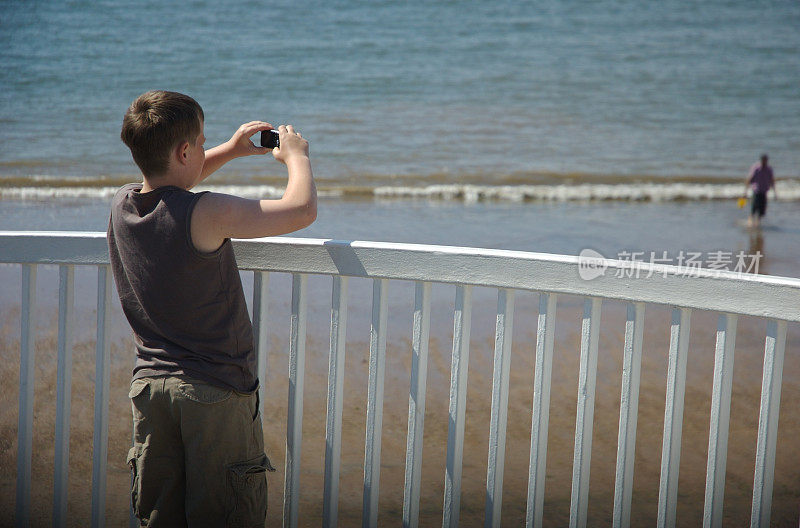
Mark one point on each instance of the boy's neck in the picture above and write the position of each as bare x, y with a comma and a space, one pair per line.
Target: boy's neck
151, 184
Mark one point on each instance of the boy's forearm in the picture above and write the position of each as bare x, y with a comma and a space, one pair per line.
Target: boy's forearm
300, 188
216, 158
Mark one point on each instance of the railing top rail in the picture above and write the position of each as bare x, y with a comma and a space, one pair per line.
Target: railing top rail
721, 291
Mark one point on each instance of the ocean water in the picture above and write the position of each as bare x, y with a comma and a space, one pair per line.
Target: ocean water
546, 127
472, 90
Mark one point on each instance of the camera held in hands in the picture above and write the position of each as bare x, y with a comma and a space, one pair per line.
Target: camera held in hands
270, 139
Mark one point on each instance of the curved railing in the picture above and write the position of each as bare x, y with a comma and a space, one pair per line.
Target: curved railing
731, 294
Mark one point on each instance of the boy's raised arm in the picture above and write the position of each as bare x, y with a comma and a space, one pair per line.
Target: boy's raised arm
219, 216
237, 146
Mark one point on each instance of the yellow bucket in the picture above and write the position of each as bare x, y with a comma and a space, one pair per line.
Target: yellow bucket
741, 202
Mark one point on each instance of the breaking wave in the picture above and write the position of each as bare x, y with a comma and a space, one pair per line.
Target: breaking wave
551, 190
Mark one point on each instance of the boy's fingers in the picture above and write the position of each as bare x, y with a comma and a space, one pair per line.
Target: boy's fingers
257, 123
255, 127
251, 128
290, 129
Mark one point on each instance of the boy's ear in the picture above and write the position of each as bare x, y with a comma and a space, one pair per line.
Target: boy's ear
182, 152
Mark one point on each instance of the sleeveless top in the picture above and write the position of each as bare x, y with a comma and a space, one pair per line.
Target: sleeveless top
186, 308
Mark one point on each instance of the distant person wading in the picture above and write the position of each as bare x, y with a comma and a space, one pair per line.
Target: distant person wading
761, 179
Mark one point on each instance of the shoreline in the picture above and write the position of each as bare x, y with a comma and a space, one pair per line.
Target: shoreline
543, 189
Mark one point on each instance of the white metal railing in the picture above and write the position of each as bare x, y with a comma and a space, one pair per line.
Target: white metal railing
776, 299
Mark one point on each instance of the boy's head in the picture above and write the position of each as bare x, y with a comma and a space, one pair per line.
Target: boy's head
155, 124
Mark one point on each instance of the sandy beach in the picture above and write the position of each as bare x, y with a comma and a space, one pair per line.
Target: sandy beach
741, 452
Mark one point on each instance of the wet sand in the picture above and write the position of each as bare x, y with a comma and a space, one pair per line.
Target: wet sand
741, 452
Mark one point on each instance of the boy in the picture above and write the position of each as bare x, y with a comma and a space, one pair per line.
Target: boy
198, 456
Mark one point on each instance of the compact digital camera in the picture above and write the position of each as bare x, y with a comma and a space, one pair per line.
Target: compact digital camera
270, 139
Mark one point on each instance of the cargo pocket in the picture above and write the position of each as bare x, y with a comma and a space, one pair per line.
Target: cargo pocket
138, 404
137, 387
247, 492
134, 455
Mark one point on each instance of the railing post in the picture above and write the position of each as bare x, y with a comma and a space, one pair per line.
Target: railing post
377, 365
27, 352
416, 403
333, 425
587, 377
499, 417
541, 408
628, 414
673, 417
774, 349
294, 425
459, 369
66, 303
260, 326
720, 421
101, 396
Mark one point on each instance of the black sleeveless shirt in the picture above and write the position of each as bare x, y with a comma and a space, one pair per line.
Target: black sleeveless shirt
186, 308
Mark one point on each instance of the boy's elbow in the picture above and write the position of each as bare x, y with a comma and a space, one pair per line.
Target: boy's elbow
308, 212
312, 213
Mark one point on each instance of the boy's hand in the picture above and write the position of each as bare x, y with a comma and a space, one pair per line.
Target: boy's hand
292, 145
240, 143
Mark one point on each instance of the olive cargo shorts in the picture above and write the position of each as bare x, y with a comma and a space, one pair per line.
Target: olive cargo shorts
198, 455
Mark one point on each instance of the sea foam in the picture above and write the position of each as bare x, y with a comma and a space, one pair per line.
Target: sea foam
788, 190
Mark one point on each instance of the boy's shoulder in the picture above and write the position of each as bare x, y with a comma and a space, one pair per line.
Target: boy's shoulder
125, 190
132, 190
